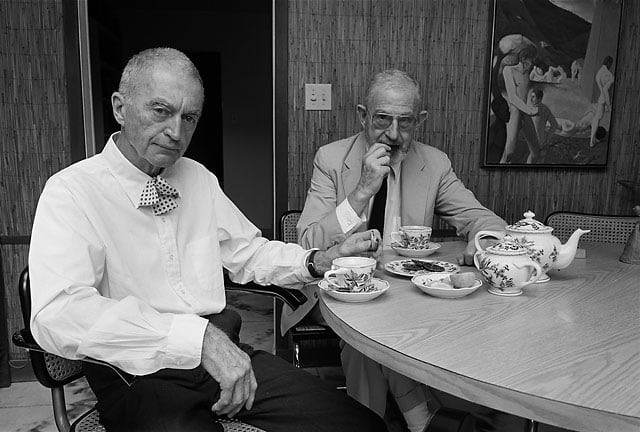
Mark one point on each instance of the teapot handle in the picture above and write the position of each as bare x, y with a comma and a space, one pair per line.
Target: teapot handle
483, 234
535, 275
475, 259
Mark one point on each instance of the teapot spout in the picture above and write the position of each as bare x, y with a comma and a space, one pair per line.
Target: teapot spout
567, 251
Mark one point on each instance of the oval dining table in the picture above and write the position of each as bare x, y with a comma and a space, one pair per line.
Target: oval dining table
565, 352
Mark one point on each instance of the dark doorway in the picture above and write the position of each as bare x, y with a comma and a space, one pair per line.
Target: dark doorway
206, 143
110, 51
231, 44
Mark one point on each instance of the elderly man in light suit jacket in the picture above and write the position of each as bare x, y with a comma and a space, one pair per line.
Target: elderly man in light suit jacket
419, 181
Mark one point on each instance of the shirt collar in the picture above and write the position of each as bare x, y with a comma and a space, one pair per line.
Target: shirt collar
132, 179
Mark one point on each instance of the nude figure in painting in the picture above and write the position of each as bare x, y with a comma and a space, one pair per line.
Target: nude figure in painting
516, 80
604, 80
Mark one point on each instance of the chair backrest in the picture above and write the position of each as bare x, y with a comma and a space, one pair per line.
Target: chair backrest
288, 226
604, 228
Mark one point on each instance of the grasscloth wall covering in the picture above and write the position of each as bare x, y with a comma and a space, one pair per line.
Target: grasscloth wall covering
34, 125
444, 44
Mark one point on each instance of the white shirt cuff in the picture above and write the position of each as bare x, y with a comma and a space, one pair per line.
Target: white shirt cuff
347, 217
184, 342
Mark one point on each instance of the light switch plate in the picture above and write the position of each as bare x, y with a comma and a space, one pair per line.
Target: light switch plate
317, 97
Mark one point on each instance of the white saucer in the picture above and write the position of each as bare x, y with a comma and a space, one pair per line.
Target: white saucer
416, 253
422, 282
379, 285
496, 291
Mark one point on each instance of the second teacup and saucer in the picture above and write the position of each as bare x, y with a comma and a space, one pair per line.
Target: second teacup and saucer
413, 242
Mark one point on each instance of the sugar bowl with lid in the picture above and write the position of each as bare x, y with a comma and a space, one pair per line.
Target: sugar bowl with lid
507, 266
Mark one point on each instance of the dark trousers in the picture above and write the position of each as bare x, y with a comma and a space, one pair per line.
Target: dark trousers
172, 400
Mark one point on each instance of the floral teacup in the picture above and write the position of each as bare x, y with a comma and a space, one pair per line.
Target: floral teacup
412, 237
351, 274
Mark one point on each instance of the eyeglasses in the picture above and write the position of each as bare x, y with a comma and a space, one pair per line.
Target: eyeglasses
384, 121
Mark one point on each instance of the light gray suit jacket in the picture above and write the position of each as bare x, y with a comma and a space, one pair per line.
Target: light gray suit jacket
428, 185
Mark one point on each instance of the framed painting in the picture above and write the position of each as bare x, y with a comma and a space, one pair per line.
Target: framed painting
551, 83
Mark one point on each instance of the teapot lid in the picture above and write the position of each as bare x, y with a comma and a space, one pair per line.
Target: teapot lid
529, 225
510, 246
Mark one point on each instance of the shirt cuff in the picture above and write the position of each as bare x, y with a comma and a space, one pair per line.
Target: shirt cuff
347, 217
184, 344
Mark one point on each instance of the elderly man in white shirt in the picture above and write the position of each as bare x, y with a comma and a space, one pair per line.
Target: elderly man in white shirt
126, 264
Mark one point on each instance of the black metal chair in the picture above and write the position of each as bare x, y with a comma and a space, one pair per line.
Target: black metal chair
54, 372
308, 344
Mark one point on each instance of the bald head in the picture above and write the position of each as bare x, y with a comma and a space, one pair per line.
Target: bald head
138, 67
394, 80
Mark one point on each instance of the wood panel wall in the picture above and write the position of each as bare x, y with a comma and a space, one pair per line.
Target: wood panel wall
34, 127
444, 44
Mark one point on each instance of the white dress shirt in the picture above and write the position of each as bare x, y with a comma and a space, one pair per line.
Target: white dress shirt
112, 281
349, 220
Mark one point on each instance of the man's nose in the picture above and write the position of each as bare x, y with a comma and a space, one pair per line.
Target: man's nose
173, 128
392, 130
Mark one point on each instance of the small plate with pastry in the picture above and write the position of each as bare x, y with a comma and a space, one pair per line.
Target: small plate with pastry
446, 284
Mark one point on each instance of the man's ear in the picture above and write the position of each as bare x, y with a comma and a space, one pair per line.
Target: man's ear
118, 105
422, 116
362, 114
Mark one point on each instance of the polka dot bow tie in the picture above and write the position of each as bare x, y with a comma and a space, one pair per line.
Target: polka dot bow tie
160, 195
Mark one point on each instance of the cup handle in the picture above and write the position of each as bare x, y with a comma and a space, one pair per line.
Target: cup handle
396, 236
483, 234
329, 273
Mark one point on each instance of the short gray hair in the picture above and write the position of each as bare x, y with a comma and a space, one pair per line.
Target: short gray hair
393, 78
150, 58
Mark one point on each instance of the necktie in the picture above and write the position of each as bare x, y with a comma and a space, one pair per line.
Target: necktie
160, 195
376, 218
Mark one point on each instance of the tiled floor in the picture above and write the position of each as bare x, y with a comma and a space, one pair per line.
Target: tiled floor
26, 406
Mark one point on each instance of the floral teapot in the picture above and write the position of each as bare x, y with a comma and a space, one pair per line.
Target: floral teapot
507, 266
544, 248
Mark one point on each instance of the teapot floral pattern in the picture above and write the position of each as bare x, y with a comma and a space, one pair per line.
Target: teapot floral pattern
507, 266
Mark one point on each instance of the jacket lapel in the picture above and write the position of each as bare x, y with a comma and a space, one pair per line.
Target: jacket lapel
352, 165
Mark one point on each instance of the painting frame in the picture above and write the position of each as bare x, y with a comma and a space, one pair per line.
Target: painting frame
551, 83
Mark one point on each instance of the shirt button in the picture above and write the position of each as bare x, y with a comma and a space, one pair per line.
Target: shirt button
164, 219
171, 257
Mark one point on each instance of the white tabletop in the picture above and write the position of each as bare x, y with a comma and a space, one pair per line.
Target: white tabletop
566, 352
